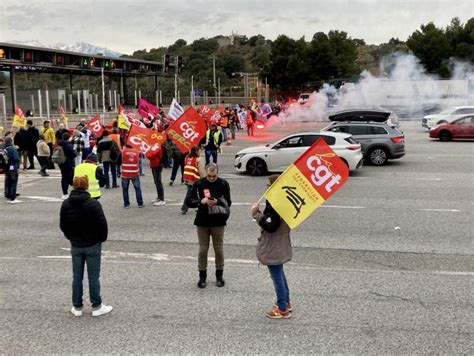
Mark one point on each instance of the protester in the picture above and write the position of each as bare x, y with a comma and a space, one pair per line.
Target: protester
42, 149
20, 140
108, 153
86, 137
11, 171
178, 162
83, 222
273, 250
131, 173
250, 123
118, 139
233, 123
224, 123
206, 193
67, 167
93, 172
212, 142
78, 146
193, 171
50, 140
60, 132
156, 164
32, 138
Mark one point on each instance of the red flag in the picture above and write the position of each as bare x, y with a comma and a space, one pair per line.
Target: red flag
187, 130
145, 140
95, 126
147, 110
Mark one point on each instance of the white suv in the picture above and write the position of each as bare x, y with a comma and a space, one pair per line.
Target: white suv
448, 115
277, 156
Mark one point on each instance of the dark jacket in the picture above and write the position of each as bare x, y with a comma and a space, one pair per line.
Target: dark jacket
274, 244
104, 148
59, 134
82, 219
12, 154
218, 189
21, 140
32, 138
69, 152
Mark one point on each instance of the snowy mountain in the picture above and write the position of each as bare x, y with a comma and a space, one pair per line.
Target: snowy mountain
79, 47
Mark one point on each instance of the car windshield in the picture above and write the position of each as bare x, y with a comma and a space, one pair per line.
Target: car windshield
446, 112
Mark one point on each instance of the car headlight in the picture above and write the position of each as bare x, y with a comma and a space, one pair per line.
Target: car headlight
239, 155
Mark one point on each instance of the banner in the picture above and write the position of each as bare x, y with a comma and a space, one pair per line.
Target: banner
265, 109
176, 110
125, 120
147, 110
188, 130
216, 116
19, 119
95, 126
145, 140
63, 115
307, 183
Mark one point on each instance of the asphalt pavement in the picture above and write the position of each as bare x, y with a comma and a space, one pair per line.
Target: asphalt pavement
383, 267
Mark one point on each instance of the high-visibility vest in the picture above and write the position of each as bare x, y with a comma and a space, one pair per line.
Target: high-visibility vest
248, 119
215, 137
88, 169
130, 159
191, 170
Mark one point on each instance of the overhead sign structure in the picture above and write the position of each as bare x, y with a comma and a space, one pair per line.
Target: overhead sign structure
307, 183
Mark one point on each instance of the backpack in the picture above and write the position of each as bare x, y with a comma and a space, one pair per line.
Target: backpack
3, 160
58, 155
114, 152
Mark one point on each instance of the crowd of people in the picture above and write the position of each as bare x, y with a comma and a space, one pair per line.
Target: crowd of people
88, 163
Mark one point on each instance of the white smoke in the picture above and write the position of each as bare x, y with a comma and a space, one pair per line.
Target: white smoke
404, 88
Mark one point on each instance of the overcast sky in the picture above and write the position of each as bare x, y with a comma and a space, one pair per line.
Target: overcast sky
128, 25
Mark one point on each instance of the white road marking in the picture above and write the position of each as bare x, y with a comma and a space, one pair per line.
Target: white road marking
442, 210
434, 179
43, 199
342, 207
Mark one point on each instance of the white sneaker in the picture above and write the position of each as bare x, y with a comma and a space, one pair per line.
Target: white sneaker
104, 309
76, 312
159, 202
64, 196
16, 201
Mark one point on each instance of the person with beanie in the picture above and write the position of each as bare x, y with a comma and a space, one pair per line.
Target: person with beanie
11, 170
273, 250
94, 174
83, 222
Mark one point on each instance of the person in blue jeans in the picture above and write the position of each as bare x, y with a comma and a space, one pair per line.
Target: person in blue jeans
130, 173
211, 142
273, 250
83, 222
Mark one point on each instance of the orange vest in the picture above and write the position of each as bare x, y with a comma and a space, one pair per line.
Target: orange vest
248, 119
223, 121
191, 170
116, 138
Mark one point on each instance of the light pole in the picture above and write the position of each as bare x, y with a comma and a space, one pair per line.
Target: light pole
246, 75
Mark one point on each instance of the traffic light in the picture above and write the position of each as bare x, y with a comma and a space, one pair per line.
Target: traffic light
85, 62
58, 59
179, 64
107, 64
112, 65
2, 53
166, 63
91, 62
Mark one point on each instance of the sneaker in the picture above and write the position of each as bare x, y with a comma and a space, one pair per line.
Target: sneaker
64, 196
126, 206
76, 312
44, 175
116, 186
184, 212
171, 182
141, 206
276, 313
107, 187
159, 202
104, 309
288, 307
16, 201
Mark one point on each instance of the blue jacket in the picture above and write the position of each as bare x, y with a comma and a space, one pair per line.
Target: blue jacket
13, 157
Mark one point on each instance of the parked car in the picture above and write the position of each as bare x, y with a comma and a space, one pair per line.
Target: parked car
380, 141
448, 115
277, 156
365, 115
460, 128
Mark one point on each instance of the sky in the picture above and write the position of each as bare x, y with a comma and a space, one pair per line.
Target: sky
128, 25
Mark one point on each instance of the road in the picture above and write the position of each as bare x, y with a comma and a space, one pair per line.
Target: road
385, 266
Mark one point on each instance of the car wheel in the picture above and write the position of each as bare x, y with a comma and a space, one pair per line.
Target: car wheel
445, 136
256, 167
378, 156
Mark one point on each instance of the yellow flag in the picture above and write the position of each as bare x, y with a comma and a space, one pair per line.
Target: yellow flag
122, 123
307, 183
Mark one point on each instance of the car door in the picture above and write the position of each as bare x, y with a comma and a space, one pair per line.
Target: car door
463, 128
285, 152
361, 134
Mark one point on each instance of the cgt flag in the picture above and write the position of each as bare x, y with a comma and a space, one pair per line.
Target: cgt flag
145, 140
188, 130
95, 126
63, 115
19, 119
147, 110
307, 183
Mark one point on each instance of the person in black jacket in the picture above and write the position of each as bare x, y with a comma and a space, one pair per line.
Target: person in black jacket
83, 222
210, 191
32, 138
67, 168
21, 141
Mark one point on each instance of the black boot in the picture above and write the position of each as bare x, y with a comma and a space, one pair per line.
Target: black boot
202, 279
220, 280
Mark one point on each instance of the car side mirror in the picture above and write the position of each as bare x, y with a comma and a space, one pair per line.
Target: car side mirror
277, 146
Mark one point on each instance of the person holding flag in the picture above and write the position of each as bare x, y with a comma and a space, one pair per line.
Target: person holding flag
193, 171
273, 250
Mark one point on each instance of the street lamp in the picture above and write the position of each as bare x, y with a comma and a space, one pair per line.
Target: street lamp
245, 75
